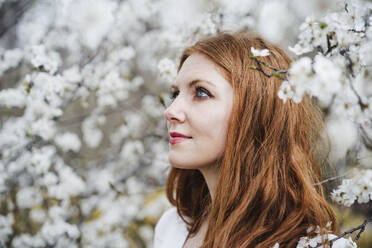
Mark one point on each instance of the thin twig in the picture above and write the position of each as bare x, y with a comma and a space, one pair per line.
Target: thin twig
361, 229
330, 179
277, 72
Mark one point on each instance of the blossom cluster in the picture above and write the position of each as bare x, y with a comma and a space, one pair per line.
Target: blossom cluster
358, 188
339, 74
323, 235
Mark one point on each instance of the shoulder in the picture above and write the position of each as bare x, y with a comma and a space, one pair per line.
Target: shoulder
169, 220
170, 231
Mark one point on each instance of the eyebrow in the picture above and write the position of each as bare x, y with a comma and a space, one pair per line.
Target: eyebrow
193, 82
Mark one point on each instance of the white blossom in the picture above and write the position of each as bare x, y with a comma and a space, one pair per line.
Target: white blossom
272, 22
167, 69
37, 215
359, 188
13, 57
39, 57
365, 53
286, 91
69, 183
91, 20
207, 24
276, 245
300, 78
311, 242
12, 98
42, 159
132, 151
52, 231
259, 53
152, 106
92, 135
68, 141
327, 78
343, 135
72, 74
28, 197
26, 240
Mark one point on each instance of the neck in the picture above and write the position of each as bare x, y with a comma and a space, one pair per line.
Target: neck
210, 174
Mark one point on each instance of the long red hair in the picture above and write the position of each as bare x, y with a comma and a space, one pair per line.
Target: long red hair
267, 190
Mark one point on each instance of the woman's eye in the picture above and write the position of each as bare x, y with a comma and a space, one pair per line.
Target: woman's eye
201, 92
173, 95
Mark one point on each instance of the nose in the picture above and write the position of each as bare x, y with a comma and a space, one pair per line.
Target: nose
175, 112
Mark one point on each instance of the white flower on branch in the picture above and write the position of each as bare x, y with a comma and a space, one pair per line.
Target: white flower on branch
131, 152
48, 60
28, 197
365, 53
276, 245
55, 230
259, 53
343, 135
12, 58
26, 240
312, 242
207, 26
359, 188
272, 22
45, 128
12, 98
112, 89
68, 141
37, 215
300, 78
91, 20
41, 160
167, 69
328, 78
92, 135
70, 184
286, 91
73, 74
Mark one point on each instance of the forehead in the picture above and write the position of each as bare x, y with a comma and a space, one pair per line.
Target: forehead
199, 66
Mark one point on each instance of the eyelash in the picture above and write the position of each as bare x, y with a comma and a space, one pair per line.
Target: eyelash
198, 89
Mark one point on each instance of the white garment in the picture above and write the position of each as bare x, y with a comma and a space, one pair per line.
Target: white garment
170, 231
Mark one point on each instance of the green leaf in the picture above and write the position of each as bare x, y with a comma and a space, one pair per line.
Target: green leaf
277, 74
323, 25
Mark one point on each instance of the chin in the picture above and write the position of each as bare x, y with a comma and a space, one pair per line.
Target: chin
184, 164
181, 163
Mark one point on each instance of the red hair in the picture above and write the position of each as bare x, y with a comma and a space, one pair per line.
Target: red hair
267, 190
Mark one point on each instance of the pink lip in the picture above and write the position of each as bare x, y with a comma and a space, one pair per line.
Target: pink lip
177, 140
175, 134
177, 137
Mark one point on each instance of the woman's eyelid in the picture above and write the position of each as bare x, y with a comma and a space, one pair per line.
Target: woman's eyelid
197, 88
203, 89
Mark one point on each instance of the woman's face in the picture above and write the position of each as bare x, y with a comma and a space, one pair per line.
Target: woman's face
201, 109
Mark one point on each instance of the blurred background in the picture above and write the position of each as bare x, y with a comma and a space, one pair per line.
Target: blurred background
83, 141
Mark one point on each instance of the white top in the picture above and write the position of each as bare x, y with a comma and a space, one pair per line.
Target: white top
170, 231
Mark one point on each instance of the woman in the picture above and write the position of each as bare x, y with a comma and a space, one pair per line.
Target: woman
244, 171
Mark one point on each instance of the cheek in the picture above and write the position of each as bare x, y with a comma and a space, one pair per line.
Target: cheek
215, 129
